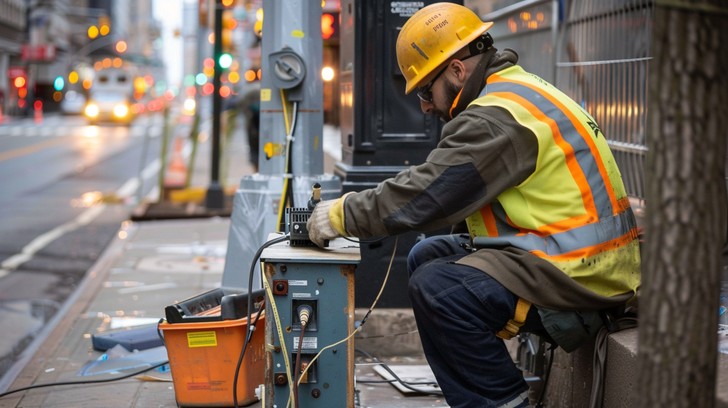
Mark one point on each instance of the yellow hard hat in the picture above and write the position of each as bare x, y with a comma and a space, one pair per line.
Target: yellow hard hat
431, 36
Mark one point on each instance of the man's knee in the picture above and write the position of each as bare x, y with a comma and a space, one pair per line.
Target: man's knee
433, 248
432, 277
420, 281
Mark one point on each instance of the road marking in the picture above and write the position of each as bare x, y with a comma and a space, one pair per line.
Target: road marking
43, 240
13, 154
85, 218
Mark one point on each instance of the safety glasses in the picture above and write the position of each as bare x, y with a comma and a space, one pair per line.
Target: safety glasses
425, 92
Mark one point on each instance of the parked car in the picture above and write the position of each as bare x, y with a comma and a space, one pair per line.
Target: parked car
73, 103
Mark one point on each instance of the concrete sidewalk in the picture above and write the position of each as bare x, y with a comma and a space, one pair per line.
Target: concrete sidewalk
148, 266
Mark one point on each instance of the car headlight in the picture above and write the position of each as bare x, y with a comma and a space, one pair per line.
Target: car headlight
121, 111
91, 110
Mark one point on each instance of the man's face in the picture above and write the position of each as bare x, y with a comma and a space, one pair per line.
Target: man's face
438, 95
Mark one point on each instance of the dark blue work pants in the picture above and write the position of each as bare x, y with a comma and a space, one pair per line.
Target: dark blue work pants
458, 310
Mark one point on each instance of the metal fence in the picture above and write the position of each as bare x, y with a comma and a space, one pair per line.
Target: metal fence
598, 52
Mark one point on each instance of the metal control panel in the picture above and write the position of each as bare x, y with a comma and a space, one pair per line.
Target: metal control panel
323, 281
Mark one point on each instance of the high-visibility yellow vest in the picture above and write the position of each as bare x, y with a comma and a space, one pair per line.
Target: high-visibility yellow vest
573, 210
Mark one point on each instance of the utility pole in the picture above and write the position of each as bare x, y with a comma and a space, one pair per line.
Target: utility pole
214, 198
291, 134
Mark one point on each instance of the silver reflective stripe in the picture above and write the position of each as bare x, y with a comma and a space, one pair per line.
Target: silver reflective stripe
568, 131
563, 242
518, 401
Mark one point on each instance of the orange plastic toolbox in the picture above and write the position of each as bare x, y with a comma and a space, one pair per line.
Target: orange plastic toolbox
203, 357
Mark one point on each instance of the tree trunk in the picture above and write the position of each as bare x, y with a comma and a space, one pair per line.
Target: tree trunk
686, 205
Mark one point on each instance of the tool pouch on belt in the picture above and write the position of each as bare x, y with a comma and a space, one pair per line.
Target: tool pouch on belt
570, 329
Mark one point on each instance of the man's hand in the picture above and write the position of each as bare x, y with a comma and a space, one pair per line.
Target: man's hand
319, 224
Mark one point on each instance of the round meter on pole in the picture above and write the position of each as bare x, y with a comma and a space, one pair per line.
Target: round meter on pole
288, 68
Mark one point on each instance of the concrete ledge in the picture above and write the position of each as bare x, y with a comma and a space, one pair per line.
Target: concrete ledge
393, 333
721, 384
621, 373
570, 384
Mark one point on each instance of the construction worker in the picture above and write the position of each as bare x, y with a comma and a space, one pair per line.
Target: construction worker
552, 241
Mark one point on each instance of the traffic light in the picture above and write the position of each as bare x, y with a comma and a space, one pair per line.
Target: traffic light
228, 25
20, 82
104, 25
225, 60
59, 83
329, 25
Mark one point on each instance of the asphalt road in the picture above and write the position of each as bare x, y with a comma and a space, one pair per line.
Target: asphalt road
66, 188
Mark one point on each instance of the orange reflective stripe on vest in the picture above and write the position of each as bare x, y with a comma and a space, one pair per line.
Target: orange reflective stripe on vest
573, 209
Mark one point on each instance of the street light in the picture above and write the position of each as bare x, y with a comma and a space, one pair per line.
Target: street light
121, 46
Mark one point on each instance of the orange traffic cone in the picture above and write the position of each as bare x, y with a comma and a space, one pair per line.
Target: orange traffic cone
176, 174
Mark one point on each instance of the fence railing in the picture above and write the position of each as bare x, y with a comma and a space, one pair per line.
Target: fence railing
598, 52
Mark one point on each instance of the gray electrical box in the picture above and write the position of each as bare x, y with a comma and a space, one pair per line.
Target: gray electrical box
323, 280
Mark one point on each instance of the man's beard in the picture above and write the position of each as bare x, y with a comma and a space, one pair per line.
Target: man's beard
451, 92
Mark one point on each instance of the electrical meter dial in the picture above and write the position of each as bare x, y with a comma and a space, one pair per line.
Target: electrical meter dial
288, 68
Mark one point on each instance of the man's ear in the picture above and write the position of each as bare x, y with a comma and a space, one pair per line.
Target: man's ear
459, 71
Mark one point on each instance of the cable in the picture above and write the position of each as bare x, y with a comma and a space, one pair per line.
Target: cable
384, 283
251, 327
364, 241
406, 384
366, 316
297, 368
546, 376
250, 278
600, 356
383, 336
287, 193
30, 387
289, 156
242, 355
304, 313
281, 338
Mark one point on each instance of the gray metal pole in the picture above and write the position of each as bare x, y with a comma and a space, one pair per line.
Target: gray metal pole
214, 199
291, 27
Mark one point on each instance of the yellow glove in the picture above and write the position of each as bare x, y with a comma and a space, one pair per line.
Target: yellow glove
326, 221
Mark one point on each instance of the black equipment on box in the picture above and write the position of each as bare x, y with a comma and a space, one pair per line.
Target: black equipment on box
214, 305
297, 218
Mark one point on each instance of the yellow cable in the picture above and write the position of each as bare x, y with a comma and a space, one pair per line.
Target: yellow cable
381, 289
286, 186
285, 113
281, 339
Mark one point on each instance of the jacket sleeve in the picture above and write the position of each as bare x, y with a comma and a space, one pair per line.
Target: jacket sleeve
482, 152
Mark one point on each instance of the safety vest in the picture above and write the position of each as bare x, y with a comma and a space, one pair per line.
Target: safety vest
573, 210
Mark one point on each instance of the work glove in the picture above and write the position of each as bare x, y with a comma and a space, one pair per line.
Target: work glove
326, 221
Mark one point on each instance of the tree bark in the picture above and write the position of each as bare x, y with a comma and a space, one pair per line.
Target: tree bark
686, 205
